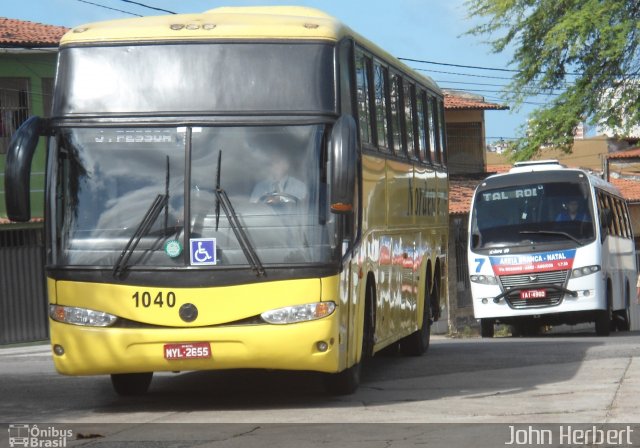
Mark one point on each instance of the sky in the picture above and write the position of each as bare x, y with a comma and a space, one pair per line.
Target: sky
425, 30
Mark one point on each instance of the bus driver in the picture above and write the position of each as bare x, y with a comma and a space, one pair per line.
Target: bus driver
279, 187
572, 213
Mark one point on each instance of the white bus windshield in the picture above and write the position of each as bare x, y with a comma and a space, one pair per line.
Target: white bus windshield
537, 213
108, 179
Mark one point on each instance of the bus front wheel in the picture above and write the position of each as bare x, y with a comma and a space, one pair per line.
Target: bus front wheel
486, 328
603, 323
127, 384
345, 382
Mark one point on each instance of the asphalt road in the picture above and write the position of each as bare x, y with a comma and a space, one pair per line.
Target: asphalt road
485, 391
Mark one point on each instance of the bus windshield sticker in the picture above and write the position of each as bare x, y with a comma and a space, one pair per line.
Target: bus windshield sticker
512, 194
173, 248
203, 251
538, 262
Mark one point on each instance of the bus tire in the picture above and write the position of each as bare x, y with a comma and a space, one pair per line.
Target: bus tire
603, 320
345, 382
487, 328
127, 384
369, 323
418, 342
622, 320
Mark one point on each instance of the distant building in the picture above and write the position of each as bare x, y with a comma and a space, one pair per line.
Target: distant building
464, 117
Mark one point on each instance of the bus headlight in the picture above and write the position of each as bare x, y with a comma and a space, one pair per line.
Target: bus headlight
81, 316
586, 270
299, 313
484, 279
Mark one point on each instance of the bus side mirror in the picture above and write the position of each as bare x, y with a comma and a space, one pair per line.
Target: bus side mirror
342, 156
17, 172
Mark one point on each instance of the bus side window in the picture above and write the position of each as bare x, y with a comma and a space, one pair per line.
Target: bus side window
381, 88
363, 64
423, 151
441, 141
431, 124
409, 118
396, 128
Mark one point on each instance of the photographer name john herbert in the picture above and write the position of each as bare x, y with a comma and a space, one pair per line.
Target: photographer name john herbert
569, 435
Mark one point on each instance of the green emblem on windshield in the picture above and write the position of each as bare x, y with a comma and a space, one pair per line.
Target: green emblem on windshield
173, 248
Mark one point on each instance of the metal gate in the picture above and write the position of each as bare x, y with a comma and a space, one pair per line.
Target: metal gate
23, 303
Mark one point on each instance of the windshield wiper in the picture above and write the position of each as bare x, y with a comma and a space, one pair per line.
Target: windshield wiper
143, 228
222, 200
551, 232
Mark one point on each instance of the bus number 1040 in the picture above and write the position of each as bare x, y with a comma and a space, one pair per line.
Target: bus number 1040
145, 299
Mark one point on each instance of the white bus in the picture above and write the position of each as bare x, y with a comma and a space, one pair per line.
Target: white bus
549, 245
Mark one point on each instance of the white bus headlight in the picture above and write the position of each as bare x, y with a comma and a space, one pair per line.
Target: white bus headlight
586, 270
484, 279
299, 313
81, 316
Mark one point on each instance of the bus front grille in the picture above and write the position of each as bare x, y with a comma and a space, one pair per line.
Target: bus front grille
524, 281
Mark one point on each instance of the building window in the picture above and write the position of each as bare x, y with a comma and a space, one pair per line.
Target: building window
14, 108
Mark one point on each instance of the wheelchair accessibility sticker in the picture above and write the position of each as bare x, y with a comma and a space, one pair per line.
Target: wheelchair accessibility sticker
203, 251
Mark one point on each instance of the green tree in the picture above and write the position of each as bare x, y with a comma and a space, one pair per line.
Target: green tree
588, 50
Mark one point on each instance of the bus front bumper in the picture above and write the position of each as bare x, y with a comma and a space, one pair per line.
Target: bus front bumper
313, 345
584, 300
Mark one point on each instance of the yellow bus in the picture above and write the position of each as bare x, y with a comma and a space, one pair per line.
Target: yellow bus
253, 187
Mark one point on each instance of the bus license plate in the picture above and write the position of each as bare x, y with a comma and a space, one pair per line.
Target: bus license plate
194, 350
533, 294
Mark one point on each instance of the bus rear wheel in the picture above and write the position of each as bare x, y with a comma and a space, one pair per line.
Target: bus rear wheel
127, 384
418, 342
622, 320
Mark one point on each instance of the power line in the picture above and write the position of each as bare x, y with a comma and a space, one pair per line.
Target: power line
467, 83
108, 7
475, 67
149, 7
460, 74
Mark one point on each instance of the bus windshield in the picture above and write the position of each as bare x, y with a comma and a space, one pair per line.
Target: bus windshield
110, 180
526, 214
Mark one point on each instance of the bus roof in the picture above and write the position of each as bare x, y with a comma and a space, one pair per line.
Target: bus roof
536, 165
539, 166
230, 23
